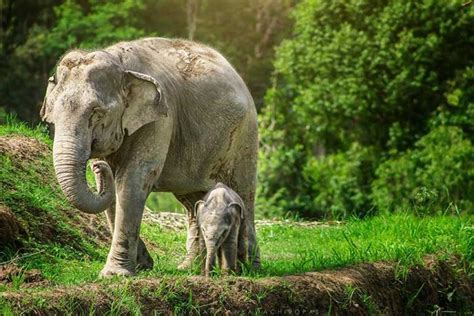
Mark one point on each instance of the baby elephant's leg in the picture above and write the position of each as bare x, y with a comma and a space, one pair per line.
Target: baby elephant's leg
229, 252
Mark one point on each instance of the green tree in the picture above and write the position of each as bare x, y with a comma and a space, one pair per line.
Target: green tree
20, 87
437, 174
35, 34
368, 73
30, 61
101, 24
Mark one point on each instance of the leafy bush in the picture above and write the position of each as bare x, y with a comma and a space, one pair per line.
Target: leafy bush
279, 181
335, 186
377, 73
340, 183
459, 108
437, 174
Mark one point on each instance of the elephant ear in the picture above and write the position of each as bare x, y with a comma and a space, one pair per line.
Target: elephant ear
197, 207
45, 112
145, 101
239, 206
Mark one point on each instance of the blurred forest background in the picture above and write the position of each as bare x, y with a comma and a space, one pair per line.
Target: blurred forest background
365, 106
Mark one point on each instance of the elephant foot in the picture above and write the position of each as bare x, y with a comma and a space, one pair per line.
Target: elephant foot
186, 264
110, 271
144, 259
191, 256
256, 264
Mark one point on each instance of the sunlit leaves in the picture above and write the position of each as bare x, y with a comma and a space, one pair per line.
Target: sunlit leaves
376, 74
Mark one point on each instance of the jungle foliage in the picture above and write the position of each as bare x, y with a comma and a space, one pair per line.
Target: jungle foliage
367, 106
371, 109
35, 34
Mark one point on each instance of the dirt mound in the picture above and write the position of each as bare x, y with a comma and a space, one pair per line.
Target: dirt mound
10, 273
9, 228
22, 147
436, 286
32, 207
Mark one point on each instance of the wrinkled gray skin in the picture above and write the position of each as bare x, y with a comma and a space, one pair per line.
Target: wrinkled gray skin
161, 115
220, 218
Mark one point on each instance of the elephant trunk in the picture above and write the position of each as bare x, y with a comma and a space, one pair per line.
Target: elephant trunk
210, 260
70, 159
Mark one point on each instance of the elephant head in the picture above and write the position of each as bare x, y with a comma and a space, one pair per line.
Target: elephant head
94, 101
215, 220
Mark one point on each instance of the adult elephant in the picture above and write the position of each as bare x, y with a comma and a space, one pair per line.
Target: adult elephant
163, 115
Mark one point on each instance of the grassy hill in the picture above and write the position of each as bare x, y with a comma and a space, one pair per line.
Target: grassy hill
51, 254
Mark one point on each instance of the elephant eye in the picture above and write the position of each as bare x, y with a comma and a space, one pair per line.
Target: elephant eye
52, 79
98, 113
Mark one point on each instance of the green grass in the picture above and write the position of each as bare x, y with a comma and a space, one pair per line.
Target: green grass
400, 237
164, 202
14, 127
73, 257
289, 249
50, 236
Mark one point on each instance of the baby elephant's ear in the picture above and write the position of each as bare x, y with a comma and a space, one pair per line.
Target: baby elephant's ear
240, 207
197, 206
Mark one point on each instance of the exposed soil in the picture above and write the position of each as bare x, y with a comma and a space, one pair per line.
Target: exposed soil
360, 290
21, 147
11, 272
21, 221
9, 228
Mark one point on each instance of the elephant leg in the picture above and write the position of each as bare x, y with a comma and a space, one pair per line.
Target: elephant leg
244, 183
110, 215
253, 250
242, 243
220, 258
202, 254
229, 252
192, 241
144, 259
122, 258
139, 165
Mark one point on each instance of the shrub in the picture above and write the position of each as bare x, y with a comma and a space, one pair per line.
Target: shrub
381, 74
436, 175
340, 183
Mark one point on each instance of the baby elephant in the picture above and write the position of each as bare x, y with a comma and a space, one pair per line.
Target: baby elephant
222, 229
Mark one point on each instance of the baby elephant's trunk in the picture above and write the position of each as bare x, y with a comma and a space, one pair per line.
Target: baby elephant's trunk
210, 260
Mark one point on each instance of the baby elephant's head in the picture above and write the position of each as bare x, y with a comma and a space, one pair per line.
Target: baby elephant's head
216, 219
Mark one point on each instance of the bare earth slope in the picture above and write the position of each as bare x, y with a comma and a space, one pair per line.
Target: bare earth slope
32, 208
